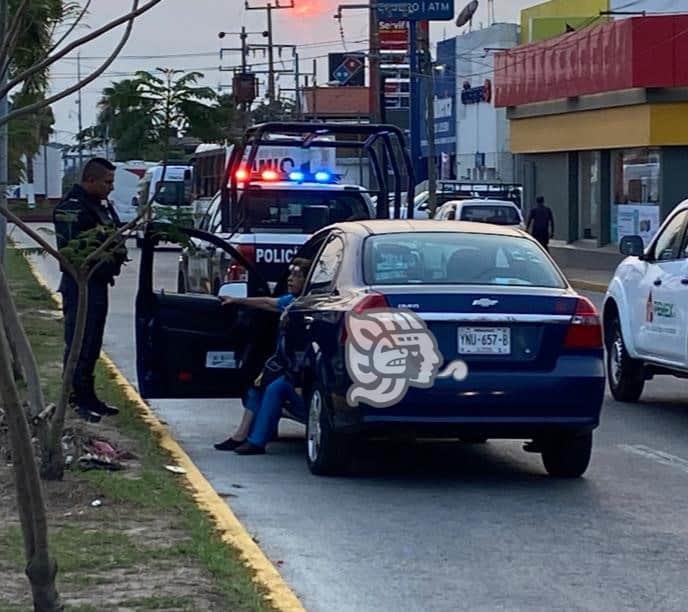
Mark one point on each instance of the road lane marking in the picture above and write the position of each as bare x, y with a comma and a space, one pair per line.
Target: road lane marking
228, 526
656, 455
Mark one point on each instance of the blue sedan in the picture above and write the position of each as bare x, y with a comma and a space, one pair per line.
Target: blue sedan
461, 330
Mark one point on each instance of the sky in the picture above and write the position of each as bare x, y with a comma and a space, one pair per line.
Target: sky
186, 31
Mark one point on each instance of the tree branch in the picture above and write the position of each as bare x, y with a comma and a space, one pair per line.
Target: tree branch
71, 27
66, 264
10, 38
48, 61
31, 108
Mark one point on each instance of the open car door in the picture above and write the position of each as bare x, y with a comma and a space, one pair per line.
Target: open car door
190, 345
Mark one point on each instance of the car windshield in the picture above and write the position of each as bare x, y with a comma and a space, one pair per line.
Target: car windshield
301, 212
458, 259
498, 214
171, 194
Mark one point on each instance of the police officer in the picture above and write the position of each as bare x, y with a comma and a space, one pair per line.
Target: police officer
85, 207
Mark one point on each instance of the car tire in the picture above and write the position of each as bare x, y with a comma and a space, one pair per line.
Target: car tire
181, 285
626, 376
567, 456
328, 452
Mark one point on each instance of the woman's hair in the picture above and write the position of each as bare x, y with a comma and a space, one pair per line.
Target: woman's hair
302, 264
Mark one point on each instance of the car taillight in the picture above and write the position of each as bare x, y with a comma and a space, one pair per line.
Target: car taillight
367, 302
585, 330
236, 271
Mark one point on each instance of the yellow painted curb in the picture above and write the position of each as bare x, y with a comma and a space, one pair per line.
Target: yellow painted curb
584, 285
228, 525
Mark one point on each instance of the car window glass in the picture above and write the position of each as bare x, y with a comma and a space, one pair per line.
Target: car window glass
216, 220
208, 219
500, 215
669, 241
326, 267
456, 258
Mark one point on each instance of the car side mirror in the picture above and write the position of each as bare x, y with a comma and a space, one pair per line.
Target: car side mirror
632, 246
451, 215
233, 290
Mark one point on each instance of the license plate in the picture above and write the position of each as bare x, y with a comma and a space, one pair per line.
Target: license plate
484, 341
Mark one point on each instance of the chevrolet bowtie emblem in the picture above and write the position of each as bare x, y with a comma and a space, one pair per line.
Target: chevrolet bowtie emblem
485, 302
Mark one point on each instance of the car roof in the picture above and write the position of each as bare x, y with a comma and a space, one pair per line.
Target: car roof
481, 202
400, 226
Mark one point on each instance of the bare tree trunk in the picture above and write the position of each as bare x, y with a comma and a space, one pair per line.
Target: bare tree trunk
52, 465
41, 569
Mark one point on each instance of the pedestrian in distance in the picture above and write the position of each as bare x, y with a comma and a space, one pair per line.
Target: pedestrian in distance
273, 388
85, 208
541, 223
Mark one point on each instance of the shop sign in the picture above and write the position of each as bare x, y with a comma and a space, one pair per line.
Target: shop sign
475, 95
635, 220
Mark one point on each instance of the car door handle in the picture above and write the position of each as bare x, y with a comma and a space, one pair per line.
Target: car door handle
658, 282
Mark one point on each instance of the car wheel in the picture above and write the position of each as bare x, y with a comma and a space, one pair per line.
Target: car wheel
327, 452
567, 456
625, 375
181, 285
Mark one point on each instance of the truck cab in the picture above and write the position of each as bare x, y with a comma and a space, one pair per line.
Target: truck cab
646, 309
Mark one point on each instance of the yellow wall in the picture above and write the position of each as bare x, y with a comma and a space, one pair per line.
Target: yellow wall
560, 8
610, 128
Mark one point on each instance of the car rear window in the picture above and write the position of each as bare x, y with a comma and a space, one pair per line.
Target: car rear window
290, 211
500, 215
457, 259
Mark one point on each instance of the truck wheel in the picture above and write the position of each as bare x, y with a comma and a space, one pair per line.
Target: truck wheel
626, 376
327, 452
567, 456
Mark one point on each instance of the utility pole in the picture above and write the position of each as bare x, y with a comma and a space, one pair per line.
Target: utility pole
78, 101
4, 11
428, 72
269, 7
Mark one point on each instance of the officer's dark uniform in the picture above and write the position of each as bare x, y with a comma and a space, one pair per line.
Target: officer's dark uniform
76, 213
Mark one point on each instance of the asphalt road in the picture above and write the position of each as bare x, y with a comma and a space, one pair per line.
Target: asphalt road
450, 526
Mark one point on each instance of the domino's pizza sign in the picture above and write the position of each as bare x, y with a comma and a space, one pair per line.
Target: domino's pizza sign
415, 10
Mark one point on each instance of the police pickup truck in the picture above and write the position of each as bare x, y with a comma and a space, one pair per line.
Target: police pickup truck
280, 215
646, 309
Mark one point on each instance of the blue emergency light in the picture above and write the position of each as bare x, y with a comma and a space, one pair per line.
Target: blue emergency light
323, 177
297, 176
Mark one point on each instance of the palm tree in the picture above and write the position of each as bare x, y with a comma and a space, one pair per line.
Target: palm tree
173, 101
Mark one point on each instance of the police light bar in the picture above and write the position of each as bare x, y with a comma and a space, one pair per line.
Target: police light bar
323, 177
269, 175
297, 176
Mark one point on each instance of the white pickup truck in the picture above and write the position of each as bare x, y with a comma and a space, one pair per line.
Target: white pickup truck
646, 309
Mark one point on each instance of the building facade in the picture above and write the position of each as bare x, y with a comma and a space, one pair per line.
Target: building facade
483, 150
597, 118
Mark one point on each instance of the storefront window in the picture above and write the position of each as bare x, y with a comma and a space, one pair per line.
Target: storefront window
589, 194
636, 179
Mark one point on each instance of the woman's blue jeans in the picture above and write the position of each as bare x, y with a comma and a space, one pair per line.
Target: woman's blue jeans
266, 406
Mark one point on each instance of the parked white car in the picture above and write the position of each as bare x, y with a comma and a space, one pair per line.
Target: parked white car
646, 309
498, 212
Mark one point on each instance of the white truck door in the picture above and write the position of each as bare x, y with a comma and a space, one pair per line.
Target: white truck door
664, 332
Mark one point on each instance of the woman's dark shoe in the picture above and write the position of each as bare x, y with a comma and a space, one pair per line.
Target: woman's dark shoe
229, 444
249, 449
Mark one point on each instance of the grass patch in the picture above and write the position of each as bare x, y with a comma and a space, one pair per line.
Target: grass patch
86, 546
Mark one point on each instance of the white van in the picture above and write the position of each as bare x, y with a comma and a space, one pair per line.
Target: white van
173, 194
124, 196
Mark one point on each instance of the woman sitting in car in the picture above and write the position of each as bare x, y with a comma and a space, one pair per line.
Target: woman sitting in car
273, 388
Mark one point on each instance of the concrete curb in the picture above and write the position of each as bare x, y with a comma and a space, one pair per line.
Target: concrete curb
584, 285
229, 528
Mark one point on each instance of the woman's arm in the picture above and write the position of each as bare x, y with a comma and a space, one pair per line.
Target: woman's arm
261, 303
